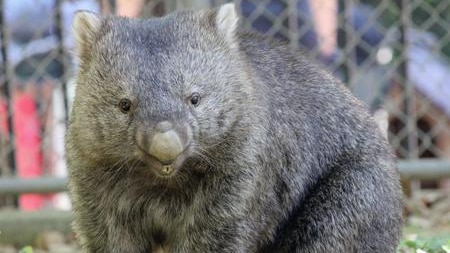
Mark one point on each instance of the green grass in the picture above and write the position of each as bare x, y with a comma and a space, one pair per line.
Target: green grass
422, 245
420, 240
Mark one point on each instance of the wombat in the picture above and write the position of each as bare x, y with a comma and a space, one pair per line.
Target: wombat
188, 134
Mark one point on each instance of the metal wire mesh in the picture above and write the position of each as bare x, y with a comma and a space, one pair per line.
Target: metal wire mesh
394, 55
35, 68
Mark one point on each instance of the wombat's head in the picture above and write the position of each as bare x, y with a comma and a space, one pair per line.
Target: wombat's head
157, 91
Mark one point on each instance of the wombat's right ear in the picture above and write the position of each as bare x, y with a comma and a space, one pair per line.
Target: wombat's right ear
85, 25
227, 21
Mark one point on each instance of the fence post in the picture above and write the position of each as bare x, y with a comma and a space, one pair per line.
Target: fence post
7, 88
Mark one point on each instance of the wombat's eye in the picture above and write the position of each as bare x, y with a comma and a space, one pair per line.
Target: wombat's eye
195, 99
125, 105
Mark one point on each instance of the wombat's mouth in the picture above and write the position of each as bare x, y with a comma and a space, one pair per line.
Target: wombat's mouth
165, 170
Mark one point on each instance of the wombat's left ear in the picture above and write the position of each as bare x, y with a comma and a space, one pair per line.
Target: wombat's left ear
86, 25
227, 21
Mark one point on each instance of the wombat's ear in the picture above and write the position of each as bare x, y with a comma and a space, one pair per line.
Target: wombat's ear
85, 25
227, 21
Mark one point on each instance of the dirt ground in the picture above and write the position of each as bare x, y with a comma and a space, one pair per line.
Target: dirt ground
428, 214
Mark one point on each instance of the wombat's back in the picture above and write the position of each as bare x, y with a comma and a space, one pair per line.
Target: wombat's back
334, 152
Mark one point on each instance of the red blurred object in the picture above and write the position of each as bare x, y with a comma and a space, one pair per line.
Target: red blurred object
28, 147
28, 144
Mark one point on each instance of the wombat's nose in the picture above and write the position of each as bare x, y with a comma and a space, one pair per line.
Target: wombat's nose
164, 126
166, 144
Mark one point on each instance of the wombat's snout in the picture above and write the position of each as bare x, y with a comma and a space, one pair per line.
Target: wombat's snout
166, 146
165, 143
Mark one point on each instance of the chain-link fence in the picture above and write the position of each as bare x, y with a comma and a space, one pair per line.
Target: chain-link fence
393, 54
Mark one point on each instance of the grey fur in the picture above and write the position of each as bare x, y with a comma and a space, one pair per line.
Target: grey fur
282, 157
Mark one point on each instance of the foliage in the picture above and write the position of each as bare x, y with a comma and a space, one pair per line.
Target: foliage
27, 249
422, 245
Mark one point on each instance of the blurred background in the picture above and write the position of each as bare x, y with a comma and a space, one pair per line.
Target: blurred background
393, 54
